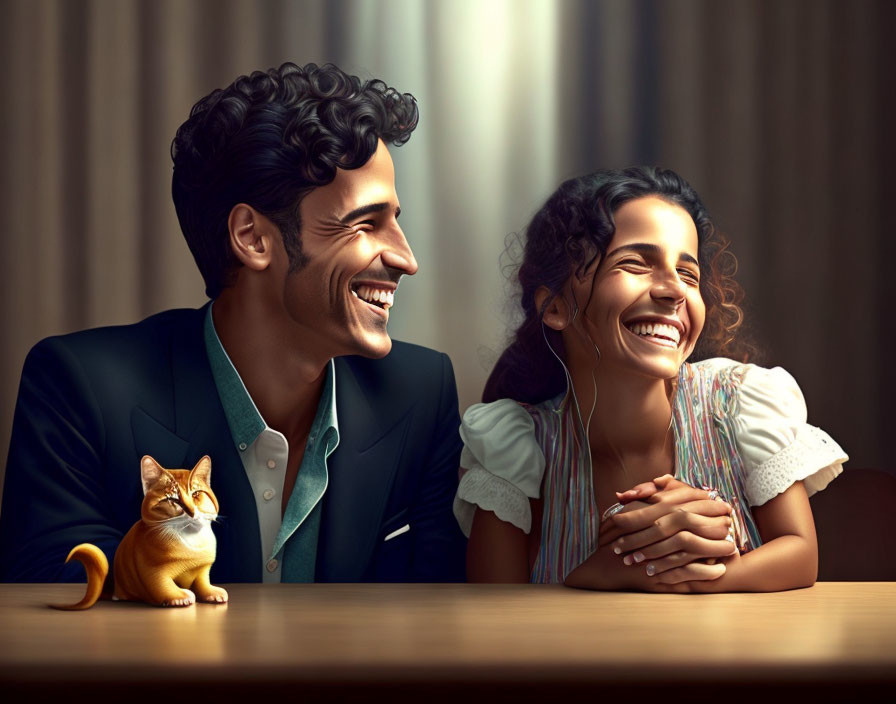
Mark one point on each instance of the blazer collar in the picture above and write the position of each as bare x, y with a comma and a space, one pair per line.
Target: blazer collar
372, 437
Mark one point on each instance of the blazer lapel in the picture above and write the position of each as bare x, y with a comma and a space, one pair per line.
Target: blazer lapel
360, 473
200, 420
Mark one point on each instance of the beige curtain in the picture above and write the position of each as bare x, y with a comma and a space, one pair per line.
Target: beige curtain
775, 111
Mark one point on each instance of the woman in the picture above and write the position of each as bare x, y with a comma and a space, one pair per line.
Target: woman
622, 277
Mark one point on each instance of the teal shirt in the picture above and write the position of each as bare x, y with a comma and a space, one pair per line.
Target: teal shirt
294, 548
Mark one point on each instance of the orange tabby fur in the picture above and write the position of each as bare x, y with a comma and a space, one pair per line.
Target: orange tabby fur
165, 558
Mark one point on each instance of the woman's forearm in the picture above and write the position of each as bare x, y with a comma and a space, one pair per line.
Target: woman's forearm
600, 572
787, 562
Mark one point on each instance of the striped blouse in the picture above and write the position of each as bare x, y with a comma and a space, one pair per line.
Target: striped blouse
738, 428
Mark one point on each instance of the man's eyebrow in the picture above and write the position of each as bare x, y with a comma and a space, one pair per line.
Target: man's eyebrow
363, 210
645, 248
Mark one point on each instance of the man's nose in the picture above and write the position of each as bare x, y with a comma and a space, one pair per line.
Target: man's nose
398, 254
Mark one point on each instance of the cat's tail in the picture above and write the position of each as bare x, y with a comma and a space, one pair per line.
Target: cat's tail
97, 566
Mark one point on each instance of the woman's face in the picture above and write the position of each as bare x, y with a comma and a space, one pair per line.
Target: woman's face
643, 307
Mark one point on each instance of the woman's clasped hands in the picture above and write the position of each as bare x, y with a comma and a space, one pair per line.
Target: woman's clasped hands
681, 537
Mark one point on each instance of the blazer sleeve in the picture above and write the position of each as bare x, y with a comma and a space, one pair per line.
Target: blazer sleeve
439, 549
53, 495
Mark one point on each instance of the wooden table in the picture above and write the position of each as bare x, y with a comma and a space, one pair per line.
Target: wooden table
413, 642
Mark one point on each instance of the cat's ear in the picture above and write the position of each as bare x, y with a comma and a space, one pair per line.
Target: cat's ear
202, 471
250, 236
150, 472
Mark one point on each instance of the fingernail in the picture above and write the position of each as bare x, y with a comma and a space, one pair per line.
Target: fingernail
651, 570
627, 559
639, 557
617, 550
729, 538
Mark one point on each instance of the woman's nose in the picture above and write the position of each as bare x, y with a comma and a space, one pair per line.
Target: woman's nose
669, 287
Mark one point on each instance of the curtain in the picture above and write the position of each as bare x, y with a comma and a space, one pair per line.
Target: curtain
777, 112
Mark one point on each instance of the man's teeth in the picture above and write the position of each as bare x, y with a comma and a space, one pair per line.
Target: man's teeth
657, 330
376, 295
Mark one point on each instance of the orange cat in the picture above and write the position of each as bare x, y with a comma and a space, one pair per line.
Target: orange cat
166, 556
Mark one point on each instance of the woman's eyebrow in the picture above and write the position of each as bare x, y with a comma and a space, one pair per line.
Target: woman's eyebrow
644, 248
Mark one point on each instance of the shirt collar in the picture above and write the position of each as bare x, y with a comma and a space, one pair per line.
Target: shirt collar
240, 410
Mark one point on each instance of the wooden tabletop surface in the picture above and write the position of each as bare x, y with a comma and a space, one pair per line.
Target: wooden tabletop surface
320, 636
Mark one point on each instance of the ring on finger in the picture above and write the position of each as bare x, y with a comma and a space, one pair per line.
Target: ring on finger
612, 511
714, 494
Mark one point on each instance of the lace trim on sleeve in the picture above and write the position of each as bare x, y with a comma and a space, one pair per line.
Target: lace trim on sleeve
481, 488
813, 457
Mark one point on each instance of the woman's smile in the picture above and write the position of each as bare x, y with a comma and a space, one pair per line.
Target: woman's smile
645, 311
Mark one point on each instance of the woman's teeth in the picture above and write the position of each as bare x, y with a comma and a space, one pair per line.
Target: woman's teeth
381, 297
669, 332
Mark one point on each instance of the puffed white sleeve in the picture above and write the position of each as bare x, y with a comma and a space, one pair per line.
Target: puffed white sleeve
776, 443
501, 464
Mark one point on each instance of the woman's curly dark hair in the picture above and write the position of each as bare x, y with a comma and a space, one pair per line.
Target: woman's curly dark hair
571, 231
267, 140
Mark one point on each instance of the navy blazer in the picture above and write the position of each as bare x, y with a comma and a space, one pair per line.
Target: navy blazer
92, 403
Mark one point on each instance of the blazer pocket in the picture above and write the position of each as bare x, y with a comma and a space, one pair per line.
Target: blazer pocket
393, 552
389, 529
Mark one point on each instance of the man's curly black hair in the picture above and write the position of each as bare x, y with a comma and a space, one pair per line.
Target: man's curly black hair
269, 139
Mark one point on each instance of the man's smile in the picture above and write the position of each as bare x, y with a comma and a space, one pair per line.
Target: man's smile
381, 296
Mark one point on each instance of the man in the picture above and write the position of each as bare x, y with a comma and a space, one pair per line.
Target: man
334, 451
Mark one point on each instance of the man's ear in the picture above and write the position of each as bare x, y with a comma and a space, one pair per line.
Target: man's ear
250, 236
557, 314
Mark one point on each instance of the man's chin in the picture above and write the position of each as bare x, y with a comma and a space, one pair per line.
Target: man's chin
375, 349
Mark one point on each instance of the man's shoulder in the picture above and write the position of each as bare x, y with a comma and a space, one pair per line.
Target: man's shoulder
117, 344
408, 371
165, 322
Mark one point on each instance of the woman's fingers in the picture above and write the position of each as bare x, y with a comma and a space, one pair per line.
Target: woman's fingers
694, 546
608, 530
668, 527
695, 571
679, 495
638, 519
641, 491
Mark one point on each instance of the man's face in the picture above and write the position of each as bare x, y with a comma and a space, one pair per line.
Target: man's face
356, 254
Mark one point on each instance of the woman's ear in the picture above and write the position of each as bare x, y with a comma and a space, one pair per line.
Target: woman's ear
250, 238
556, 310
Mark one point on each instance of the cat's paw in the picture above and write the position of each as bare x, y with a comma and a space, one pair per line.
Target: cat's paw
186, 598
214, 595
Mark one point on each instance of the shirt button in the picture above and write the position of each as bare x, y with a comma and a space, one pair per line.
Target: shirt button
243, 446
272, 565
272, 464
268, 494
